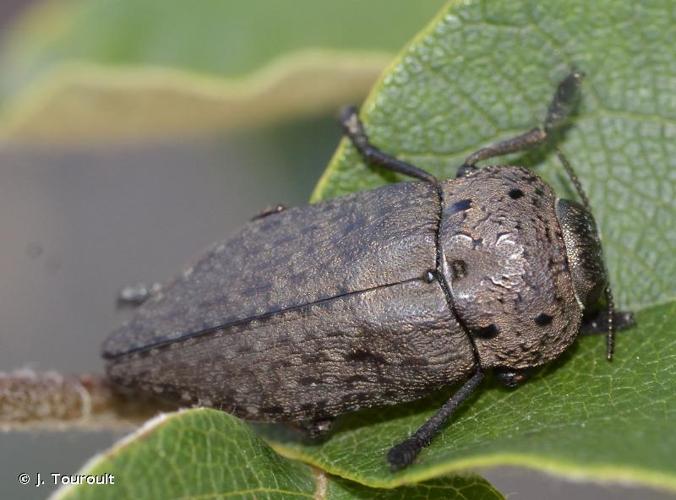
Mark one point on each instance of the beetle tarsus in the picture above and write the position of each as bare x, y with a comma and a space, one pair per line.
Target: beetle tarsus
563, 101
405, 452
354, 130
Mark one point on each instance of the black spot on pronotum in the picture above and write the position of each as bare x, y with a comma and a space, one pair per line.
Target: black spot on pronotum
458, 269
515, 193
543, 319
487, 332
459, 206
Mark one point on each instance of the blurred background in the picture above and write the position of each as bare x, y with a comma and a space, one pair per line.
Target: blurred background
118, 165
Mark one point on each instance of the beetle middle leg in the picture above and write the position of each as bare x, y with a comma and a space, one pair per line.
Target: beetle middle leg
557, 113
354, 130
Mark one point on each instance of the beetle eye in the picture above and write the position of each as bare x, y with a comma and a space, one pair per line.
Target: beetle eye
583, 249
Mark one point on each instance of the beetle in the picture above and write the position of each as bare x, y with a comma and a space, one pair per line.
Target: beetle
378, 297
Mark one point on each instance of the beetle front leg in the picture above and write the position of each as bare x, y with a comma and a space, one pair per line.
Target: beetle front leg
354, 130
557, 113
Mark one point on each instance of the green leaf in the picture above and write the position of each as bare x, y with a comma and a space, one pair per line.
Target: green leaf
79, 70
209, 454
483, 71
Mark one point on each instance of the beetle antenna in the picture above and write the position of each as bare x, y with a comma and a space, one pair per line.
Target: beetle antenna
610, 303
403, 454
610, 337
574, 179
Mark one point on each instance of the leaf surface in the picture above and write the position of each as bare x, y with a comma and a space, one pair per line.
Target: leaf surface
209, 454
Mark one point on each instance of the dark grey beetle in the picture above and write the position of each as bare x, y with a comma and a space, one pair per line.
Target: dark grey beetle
378, 297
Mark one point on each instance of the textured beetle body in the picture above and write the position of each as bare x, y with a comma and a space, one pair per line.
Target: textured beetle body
325, 309
379, 297
305, 314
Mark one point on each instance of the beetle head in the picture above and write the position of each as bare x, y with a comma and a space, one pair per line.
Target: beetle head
583, 249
